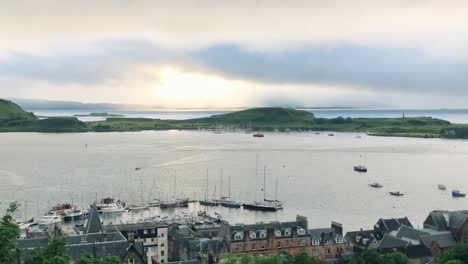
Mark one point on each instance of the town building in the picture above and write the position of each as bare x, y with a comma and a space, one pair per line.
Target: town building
327, 243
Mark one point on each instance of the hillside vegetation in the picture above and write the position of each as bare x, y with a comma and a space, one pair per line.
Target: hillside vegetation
15, 119
11, 111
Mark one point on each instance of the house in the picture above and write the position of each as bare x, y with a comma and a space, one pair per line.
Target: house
268, 238
455, 222
385, 226
327, 243
361, 240
154, 237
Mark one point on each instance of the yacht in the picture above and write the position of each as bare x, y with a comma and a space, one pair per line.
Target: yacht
227, 202
110, 205
67, 212
137, 207
266, 204
48, 219
154, 203
397, 193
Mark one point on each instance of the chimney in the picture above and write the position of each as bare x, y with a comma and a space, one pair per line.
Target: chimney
338, 227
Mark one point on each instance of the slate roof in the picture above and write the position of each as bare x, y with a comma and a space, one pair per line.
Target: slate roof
410, 234
361, 238
443, 220
384, 226
392, 242
443, 239
94, 224
319, 233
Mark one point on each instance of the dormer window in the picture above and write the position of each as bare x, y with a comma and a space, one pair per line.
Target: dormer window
263, 234
300, 231
277, 233
328, 241
339, 240
253, 235
315, 242
238, 236
287, 232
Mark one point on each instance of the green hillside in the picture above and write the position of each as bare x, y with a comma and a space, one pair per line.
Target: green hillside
11, 111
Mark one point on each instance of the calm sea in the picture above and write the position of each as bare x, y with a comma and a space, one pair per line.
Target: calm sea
315, 172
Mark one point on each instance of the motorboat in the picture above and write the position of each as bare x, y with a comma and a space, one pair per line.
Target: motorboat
154, 203
375, 185
360, 168
258, 134
48, 219
457, 193
397, 193
442, 187
137, 207
331, 135
174, 203
110, 205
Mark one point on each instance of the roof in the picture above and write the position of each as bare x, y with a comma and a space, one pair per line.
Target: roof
384, 226
319, 233
361, 238
140, 226
410, 234
443, 239
392, 242
94, 224
443, 220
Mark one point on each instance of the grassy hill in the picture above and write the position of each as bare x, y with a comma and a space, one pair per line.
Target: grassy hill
14, 119
11, 111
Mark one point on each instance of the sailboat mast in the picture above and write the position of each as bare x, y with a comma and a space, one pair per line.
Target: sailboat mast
175, 182
221, 187
206, 188
264, 183
229, 193
276, 189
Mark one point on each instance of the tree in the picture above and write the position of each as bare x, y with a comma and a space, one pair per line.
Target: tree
374, 257
54, 253
9, 232
458, 253
110, 260
86, 259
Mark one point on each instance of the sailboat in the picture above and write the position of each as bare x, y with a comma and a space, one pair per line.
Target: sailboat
208, 202
266, 204
174, 202
226, 201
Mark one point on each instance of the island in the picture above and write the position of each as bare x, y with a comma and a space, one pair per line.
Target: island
98, 115
14, 119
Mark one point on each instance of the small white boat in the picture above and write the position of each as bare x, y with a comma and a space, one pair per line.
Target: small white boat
137, 207
375, 185
50, 219
442, 187
109, 205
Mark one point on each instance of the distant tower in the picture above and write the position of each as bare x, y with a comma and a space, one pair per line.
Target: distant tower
403, 115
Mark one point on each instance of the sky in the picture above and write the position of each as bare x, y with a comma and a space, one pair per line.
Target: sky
218, 54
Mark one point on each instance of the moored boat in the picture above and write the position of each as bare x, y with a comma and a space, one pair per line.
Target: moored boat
209, 202
360, 168
137, 207
442, 187
154, 203
457, 193
397, 193
174, 203
375, 185
258, 134
331, 135
263, 206
110, 205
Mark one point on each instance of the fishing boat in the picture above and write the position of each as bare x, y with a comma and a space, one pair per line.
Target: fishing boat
375, 185
442, 187
258, 134
265, 205
110, 205
457, 193
360, 168
397, 193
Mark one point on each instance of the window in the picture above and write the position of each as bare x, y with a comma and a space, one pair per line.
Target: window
131, 261
238, 236
315, 242
263, 234
287, 232
339, 240
83, 239
263, 246
302, 243
288, 243
254, 246
279, 244
144, 240
153, 231
300, 231
277, 233
162, 245
253, 235
239, 247
152, 239
131, 236
315, 253
327, 251
145, 231
328, 241
162, 253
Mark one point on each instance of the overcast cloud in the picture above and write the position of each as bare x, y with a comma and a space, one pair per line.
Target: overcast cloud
302, 52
